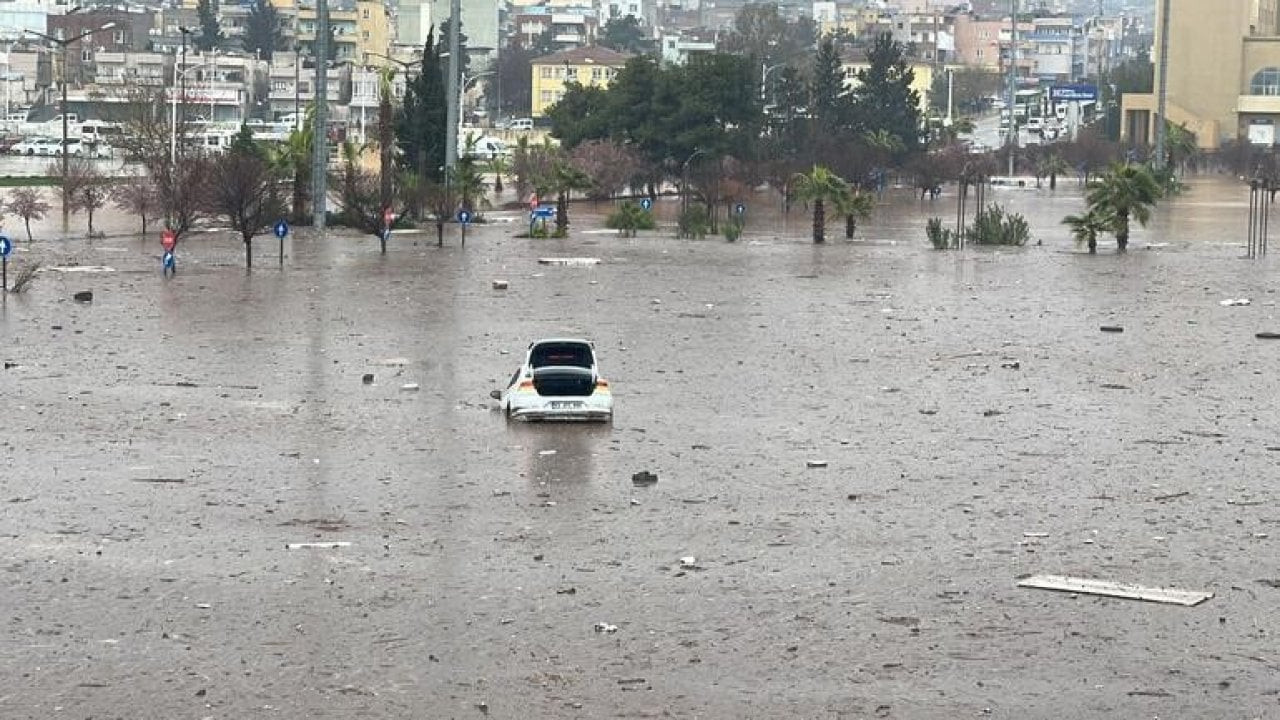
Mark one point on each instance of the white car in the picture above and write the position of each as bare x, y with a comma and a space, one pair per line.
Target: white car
559, 380
33, 146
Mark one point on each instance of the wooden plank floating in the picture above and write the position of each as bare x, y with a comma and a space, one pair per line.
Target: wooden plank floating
319, 545
1107, 588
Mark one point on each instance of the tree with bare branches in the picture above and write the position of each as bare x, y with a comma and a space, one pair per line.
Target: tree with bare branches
137, 196
244, 188
27, 203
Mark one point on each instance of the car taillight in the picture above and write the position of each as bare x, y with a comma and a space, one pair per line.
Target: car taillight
602, 384
525, 385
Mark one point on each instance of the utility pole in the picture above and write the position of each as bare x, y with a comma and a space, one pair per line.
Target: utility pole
451, 111
1162, 92
320, 131
1013, 80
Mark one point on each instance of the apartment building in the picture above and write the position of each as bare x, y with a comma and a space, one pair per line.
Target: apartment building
590, 66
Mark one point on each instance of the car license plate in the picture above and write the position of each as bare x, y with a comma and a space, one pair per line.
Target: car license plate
565, 405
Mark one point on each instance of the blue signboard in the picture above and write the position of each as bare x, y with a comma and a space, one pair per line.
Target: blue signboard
1073, 93
543, 211
464, 216
740, 208
282, 229
646, 203
6, 246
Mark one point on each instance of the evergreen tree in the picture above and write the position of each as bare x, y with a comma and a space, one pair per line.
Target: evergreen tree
883, 100
829, 104
210, 33
262, 32
626, 34
420, 127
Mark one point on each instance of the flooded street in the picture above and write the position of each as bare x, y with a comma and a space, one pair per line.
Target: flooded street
165, 445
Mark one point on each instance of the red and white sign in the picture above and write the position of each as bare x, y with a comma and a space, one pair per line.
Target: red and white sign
533, 201
168, 239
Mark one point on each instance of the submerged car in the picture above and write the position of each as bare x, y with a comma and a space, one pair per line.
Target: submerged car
559, 380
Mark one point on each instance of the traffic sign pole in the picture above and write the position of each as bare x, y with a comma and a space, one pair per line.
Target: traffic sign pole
6, 247
281, 229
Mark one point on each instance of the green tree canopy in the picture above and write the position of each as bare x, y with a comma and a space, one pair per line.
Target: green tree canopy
883, 99
210, 33
420, 127
262, 31
626, 34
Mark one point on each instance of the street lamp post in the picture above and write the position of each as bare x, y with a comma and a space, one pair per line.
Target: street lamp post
684, 181
179, 71
62, 44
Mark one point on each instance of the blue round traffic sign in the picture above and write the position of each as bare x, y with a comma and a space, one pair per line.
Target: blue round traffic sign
740, 208
646, 203
282, 229
6, 246
464, 216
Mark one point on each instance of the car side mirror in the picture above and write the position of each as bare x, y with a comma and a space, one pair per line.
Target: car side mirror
495, 394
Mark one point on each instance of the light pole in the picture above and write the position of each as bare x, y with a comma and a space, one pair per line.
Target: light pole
684, 180
1013, 81
173, 98
455, 67
62, 44
1162, 89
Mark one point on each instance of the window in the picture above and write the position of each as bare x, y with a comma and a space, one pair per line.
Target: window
279, 86
118, 37
571, 73
597, 73
546, 71
365, 34
86, 55
546, 97
1265, 82
365, 14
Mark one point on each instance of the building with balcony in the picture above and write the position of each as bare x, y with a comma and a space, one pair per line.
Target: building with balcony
115, 71
291, 85
570, 27
1056, 48
359, 28
589, 66
130, 32
1234, 92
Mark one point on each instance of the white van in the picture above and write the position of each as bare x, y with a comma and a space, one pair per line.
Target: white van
521, 124
484, 148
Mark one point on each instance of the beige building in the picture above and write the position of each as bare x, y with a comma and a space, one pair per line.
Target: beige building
589, 66
361, 33
1224, 74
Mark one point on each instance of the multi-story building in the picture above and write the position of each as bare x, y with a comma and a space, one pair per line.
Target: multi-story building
218, 87
570, 27
984, 43
291, 85
678, 46
1223, 74
19, 16
116, 71
1056, 46
19, 72
590, 66
129, 32
361, 29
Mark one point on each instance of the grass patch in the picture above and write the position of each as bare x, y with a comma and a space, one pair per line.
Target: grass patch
28, 181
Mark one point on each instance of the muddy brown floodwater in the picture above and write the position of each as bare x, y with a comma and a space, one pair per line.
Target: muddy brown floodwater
165, 444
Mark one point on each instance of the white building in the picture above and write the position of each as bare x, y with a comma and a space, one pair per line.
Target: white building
19, 16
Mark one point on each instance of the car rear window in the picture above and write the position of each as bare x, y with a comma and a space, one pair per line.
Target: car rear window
562, 354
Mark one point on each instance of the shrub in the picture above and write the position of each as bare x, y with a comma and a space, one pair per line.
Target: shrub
939, 237
694, 223
629, 218
25, 277
732, 229
993, 226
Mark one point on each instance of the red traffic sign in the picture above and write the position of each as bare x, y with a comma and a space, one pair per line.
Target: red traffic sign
533, 201
388, 217
168, 239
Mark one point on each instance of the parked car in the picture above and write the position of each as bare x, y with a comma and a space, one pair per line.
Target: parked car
559, 380
33, 146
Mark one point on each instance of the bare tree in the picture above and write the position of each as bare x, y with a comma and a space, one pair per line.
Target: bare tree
442, 200
609, 164
92, 191
243, 187
137, 196
27, 203
183, 191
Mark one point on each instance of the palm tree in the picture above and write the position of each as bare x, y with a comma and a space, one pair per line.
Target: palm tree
470, 184
292, 158
499, 166
1124, 193
566, 179
820, 186
858, 207
1086, 228
1051, 166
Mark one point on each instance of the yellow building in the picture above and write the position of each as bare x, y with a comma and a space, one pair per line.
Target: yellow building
922, 83
365, 28
589, 66
1223, 78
